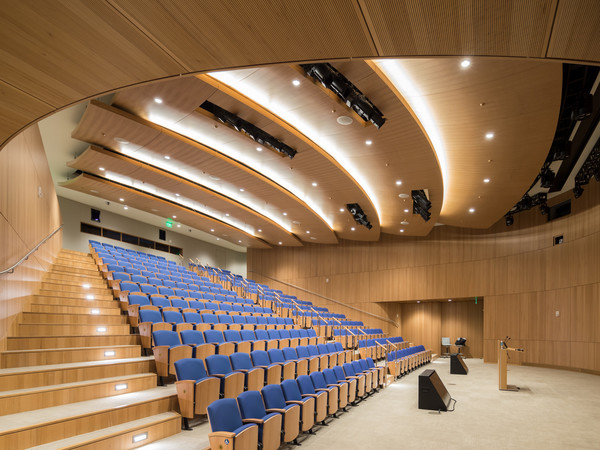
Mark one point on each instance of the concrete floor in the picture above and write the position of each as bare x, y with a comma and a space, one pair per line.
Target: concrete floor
554, 409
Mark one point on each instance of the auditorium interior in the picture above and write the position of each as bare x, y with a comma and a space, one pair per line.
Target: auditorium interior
341, 224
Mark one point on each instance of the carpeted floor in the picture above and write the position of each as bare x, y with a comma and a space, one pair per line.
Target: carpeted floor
554, 409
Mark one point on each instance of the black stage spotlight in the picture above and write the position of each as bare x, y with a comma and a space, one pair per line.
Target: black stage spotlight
358, 214
421, 204
546, 178
577, 191
509, 220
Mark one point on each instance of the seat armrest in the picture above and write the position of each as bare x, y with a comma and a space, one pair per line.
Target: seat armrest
257, 421
294, 402
282, 411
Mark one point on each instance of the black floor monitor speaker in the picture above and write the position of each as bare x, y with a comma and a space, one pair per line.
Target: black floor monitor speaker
432, 392
457, 365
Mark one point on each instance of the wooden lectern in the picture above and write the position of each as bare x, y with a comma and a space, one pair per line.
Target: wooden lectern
502, 362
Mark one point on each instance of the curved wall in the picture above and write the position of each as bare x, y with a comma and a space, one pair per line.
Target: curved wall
524, 280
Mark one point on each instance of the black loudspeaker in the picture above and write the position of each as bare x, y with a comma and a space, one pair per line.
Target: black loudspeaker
162, 235
457, 365
432, 392
95, 215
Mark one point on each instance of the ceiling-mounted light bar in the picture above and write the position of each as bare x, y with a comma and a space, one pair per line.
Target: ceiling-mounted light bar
253, 132
337, 83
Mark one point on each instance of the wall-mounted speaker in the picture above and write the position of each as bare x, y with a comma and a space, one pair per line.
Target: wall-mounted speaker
95, 216
432, 392
457, 365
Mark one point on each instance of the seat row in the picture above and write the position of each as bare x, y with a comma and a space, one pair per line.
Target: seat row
128, 287
168, 281
378, 348
170, 346
401, 362
279, 413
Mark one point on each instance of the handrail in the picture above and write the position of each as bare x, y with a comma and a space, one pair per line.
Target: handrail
24, 258
330, 299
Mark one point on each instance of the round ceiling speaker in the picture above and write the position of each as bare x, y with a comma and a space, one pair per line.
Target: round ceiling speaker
344, 120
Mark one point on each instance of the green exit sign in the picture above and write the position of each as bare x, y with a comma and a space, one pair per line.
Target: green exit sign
169, 223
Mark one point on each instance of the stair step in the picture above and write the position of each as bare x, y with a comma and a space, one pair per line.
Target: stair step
94, 281
20, 400
61, 286
61, 268
35, 317
47, 375
64, 301
27, 429
59, 309
156, 427
29, 343
38, 357
106, 295
60, 329
74, 262
74, 276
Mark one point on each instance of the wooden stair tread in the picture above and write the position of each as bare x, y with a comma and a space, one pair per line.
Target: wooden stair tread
33, 350
54, 367
55, 387
94, 436
32, 419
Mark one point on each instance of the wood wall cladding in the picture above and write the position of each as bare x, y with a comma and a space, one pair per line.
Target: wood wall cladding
523, 278
25, 219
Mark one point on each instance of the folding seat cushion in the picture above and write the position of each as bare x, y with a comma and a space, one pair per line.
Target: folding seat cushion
181, 292
135, 302
342, 386
195, 339
352, 383
239, 320
307, 389
273, 372
294, 338
358, 369
211, 306
262, 335
360, 379
237, 308
176, 319
288, 367
216, 338
253, 410
313, 361
285, 339
236, 337
121, 276
182, 285
139, 279
224, 322
323, 358
169, 284
232, 382
275, 402
160, 301
148, 289
195, 389
274, 335
290, 354
254, 376
192, 317
151, 320
228, 430
168, 349
292, 396
197, 296
303, 337
209, 318
179, 303
331, 357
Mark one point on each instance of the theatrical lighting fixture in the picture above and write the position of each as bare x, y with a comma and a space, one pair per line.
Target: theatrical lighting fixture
577, 191
546, 177
590, 168
509, 220
333, 80
421, 204
583, 107
561, 149
358, 214
252, 131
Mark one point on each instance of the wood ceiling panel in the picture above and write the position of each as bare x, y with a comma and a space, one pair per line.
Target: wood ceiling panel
442, 27
575, 31
105, 189
169, 184
231, 33
101, 124
66, 50
518, 101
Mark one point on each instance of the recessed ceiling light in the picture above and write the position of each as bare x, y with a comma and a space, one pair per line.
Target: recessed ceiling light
101, 169
403, 195
313, 238
121, 199
418, 301
401, 231
296, 82
314, 183
489, 135
239, 241
259, 230
212, 177
125, 207
295, 222
158, 100
344, 120
342, 209
259, 149
398, 182
406, 210
279, 242
212, 230
285, 214
174, 217
404, 222
465, 63
368, 142
353, 228
218, 239
176, 195
94, 191
178, 225
226, 214
241, 189
155, 210
449, 299
307, 232
122, 141
167, 157
486, 180
471, 210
